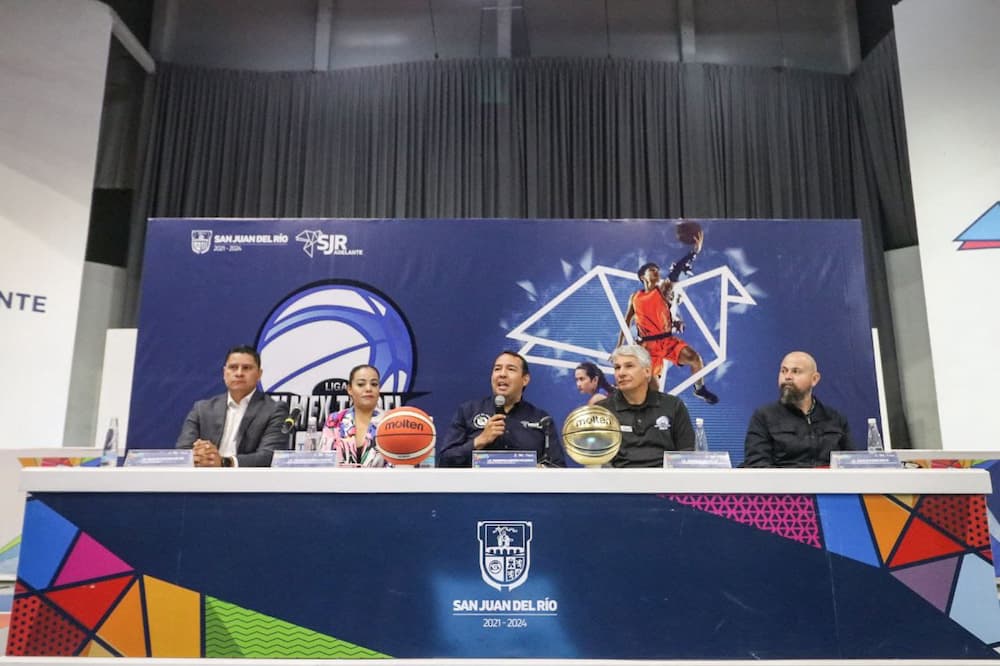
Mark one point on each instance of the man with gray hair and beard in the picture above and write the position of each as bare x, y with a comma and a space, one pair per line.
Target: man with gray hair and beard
797, 430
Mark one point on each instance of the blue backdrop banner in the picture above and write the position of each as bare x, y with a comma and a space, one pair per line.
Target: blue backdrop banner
432, 302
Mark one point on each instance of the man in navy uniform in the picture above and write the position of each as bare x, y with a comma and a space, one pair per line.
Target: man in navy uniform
504, 421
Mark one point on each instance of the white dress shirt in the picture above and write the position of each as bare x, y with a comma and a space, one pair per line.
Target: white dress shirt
234, 416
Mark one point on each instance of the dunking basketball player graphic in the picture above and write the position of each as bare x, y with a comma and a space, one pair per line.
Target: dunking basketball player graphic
656, 324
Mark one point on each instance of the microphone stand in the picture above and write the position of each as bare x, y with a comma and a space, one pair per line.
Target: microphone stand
291, 437
545, 425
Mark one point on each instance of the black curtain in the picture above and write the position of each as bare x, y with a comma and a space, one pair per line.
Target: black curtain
528, 138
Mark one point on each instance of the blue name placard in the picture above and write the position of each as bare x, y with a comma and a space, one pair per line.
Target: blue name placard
159, 458
697, 460
512, 459
304, 459
864, 459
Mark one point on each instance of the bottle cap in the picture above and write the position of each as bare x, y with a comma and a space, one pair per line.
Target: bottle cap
871, 421
699, 421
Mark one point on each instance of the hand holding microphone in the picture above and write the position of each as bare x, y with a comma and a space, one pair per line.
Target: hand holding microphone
495, 427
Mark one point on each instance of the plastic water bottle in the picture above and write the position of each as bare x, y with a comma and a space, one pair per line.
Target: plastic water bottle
700, 438
109, 456
874, 438
312, 437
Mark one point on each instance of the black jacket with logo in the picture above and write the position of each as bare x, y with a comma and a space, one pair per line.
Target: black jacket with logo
661, 423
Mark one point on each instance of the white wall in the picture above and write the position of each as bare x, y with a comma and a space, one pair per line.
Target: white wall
948, 55
101, 298
913, 346
116, 385
53, 58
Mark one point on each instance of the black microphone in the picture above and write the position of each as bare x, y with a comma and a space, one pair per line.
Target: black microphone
499, 402
291, 422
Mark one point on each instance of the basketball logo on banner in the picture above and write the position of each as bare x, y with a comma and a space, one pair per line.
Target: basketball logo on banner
504, 552
313, 338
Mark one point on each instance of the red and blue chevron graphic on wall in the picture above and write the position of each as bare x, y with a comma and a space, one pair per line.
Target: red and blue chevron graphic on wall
984, 233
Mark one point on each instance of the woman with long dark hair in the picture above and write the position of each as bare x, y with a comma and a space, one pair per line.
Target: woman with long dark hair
590, 381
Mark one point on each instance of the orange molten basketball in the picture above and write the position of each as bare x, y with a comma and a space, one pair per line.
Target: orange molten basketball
405, 436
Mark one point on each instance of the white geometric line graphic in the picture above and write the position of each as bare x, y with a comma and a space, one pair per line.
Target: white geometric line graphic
727, 284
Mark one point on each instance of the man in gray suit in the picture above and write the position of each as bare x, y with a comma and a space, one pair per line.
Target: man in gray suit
240, 428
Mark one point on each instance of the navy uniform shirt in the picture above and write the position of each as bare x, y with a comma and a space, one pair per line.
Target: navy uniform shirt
470, 419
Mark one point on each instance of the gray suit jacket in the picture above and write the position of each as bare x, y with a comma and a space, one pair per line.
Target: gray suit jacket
259, 434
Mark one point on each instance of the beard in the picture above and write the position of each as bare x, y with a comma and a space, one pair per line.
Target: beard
789, 395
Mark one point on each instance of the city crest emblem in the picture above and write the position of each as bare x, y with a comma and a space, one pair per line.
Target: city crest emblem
201, 241
504, 552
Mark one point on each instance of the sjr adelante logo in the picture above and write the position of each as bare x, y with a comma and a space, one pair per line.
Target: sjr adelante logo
316, 241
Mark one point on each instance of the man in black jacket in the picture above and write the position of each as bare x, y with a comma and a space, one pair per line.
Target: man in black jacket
797, 430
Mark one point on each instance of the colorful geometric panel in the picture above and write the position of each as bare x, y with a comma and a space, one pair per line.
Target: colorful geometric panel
887, 519
923, 542
789, 516
89, 560
38, 629
845, 529
234, 632
95, 649
932, 581
59, 461
45, 539
962, 516
975, 602
941, 463
56, 462
124, 629
9, 555
174, 619
88, 603
907, 500
10, 545
136, 616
